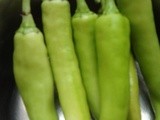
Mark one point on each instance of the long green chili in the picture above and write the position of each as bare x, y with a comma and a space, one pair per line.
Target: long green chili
145, 44
113, 51
32, 70
58, 35
83, 23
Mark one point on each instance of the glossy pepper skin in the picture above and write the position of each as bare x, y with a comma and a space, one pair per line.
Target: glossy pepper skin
58, 34
145, 44
83, 22
134, 104
113, 51
32, 70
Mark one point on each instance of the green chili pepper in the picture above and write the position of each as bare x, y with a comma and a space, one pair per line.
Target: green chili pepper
134, 107
58, 34
32, 70
113, 51
83, 23
145, 44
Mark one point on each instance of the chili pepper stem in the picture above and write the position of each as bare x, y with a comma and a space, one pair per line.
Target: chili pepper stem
97, 1
109, 6
82, 6
26, 9
27, 18
27, 21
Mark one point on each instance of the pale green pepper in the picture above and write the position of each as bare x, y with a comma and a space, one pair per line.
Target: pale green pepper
58, 35
83, 22
32, 69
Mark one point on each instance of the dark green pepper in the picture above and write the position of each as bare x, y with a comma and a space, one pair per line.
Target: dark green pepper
145, 44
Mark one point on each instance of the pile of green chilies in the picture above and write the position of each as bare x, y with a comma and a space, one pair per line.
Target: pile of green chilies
89, 57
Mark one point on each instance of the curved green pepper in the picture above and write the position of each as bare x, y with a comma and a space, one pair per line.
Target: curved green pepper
113, 51
32, 70
145, 44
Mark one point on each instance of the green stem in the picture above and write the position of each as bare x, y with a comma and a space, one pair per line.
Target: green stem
109, 6
27, 19
97, 1
26, 9
82, 6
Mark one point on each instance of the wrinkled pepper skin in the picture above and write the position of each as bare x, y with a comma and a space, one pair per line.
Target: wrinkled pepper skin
145, 44
83, 22
113, 51
134, 107
32, 72
58, 35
